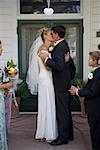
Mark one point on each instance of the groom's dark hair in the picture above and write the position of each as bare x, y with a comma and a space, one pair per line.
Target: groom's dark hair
60, 30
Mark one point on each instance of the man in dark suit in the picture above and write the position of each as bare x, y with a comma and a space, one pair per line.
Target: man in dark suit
62, 82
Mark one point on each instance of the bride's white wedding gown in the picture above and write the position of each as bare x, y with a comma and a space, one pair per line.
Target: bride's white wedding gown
46, 120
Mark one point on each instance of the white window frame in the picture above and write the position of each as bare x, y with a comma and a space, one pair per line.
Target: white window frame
54, 16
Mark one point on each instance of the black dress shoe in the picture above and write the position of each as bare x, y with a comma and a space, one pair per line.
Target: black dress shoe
58, 142
54, 141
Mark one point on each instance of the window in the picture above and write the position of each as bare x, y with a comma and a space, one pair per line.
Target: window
59, 6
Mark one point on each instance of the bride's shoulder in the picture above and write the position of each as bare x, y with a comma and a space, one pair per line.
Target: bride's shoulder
40, 48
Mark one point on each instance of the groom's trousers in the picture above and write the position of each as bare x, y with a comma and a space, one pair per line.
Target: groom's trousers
63, 114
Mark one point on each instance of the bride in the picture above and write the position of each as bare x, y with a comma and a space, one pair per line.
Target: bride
39, 80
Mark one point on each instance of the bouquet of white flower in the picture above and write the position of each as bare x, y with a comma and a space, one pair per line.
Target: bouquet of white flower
11, 69
9, 74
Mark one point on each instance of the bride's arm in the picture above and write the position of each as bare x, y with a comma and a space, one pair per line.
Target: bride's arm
42, 49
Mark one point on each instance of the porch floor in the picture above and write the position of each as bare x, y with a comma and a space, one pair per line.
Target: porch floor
22, 131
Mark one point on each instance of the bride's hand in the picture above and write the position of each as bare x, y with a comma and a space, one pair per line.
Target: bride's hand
43, 54
67, 57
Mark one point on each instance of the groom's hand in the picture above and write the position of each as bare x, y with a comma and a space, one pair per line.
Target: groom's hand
43, 54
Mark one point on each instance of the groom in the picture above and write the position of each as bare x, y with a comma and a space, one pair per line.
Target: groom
62, 82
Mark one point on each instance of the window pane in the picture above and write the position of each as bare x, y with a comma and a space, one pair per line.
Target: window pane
59, 6
72, 36
29, 33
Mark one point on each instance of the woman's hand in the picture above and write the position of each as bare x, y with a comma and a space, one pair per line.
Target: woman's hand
9, 84
6, 85
67, 57
73, 90
43, 54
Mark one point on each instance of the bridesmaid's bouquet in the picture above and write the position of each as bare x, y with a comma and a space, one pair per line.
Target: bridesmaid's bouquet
10, 74
11, 69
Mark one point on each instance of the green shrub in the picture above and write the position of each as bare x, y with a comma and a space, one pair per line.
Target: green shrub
80, 83
22, 90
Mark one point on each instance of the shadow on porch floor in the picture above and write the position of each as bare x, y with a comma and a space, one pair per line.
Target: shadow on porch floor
21, 135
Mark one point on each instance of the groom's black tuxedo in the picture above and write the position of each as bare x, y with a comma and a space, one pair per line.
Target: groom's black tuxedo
61, 75
91, 92
62, 82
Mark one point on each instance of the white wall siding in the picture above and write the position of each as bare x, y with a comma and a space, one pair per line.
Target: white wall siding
8, 34
95, 23
86, 36
91, 22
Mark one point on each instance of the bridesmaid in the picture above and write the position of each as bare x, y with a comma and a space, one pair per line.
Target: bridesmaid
3, 139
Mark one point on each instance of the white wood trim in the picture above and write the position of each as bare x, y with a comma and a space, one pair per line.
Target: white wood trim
86, 36
54, 16
35, 113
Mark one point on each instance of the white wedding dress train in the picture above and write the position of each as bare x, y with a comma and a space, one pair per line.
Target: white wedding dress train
46, 120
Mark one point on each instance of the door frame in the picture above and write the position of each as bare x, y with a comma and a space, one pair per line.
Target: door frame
75, 106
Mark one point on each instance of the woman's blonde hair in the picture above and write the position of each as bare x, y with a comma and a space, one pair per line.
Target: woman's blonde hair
43, 31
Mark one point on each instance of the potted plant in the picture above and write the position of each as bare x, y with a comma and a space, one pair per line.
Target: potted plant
29, 102
80, 84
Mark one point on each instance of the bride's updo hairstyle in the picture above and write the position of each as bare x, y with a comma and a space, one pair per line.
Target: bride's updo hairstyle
95, 55
42, 32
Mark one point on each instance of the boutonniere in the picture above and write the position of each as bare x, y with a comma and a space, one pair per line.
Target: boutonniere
51, 48
90, 75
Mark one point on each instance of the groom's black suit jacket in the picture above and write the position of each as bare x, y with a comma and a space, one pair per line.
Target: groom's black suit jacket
60, 69
91, 92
